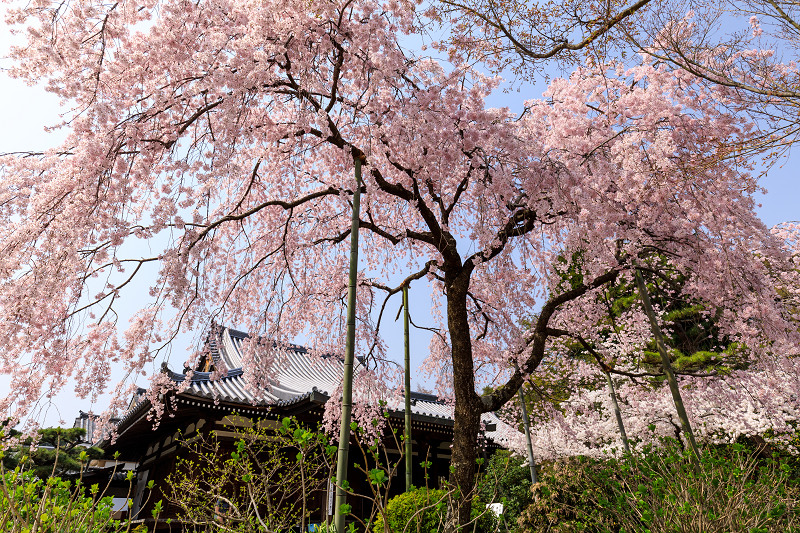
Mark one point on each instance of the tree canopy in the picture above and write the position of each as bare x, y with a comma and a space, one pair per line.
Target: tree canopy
51, 452
214, 141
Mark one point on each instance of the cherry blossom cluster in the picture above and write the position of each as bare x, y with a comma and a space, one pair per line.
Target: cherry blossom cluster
761, 402
209, 168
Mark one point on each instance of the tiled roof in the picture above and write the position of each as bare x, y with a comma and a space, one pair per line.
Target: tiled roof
426, 405
300, 375
297, 373
230, 388
88, 422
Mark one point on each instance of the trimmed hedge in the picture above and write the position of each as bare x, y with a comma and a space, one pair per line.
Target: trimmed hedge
422, 510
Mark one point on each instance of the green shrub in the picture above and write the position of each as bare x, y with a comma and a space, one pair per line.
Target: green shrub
421, 510
505, 480
661, 490
565, 499
424, 511
483, 519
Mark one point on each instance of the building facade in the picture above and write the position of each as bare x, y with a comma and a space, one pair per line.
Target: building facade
216, 396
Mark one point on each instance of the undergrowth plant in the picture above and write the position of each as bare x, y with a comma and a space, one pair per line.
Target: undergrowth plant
267, 476
263, 479
34, 503
659, 490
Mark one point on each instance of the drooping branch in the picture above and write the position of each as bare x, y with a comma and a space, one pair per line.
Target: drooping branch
391, 291
537, 341
286, 205
522, 221
493, 19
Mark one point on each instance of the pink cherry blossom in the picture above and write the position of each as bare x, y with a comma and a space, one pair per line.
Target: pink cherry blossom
210, 157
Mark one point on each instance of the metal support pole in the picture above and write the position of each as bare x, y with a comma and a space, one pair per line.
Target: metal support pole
667, 366
613, 393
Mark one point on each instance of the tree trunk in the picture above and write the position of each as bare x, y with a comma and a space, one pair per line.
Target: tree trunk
462, 463
468, 407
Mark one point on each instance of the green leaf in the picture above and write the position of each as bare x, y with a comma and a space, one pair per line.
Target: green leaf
377, 476
157, 508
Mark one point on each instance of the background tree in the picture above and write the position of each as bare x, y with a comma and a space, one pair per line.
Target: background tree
214, 142
695, 341
52, 452
749, 47
726, 389
525, 37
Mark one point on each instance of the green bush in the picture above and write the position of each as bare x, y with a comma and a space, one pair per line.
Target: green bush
424, 511
661, 490
565, 499
483, 519
505, 480
417, 511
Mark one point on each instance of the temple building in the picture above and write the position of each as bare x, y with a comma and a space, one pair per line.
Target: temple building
217, 397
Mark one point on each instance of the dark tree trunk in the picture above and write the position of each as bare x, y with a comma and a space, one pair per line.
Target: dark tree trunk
464, 455
467, 402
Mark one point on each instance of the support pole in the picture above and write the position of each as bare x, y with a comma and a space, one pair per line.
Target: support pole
613, 393
667, 366
349, 356
527, 424
407, 361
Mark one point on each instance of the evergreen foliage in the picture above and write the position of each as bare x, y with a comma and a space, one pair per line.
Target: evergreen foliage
689, 324
506, 480
51, 452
